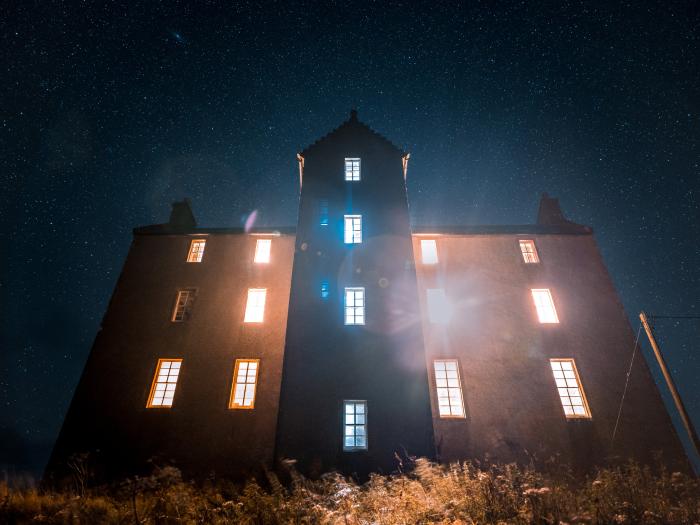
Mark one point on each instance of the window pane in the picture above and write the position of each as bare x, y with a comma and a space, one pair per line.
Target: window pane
439, 310
262, 251
571, 396
527, 248
245, 378
196, 251
544, 305
428, 251
354, 306
352, 169
354, 425
164, 383
353, 229
255, 307
449, 391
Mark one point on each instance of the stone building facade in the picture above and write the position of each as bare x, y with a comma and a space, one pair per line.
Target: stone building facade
354, 341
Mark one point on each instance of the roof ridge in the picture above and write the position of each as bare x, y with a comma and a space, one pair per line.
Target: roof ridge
352, 120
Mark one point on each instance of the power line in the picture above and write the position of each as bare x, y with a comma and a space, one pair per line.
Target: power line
674, 317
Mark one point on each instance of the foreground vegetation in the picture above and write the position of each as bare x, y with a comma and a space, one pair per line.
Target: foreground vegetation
462, 494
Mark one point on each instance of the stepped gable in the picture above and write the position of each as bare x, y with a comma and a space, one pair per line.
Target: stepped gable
352, 122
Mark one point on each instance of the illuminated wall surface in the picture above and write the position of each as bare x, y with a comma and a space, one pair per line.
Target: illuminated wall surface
352, 340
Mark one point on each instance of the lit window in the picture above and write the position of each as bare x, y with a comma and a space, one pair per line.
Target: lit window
570, 390
355, 425
245, 377
325, 290
352, 169
439, 309
428, 248
449, 389
529, 252
255, 307
196, 250
183, 305
545, 306
354, 306
164, 383
323, 212
353, 229
262, 251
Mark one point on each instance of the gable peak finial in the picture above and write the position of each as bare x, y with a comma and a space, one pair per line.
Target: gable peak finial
353, 115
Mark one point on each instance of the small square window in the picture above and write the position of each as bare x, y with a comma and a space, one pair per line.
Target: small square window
544, 304
245, 380
183, 305
196, 250
353, 229
428, 248
449, 389
439, 309
354, 306
352, 169
527, 248
255, 307
262, 251
164, 383
355, 425
569, 387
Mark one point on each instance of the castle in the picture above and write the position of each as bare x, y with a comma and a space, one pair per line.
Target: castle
353, 340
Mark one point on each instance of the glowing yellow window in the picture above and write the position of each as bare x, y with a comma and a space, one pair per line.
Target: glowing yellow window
544, 305
449, 389
183, 305
527, 248
262, 250
573, 400
245, 379
428, 248
196, 250
255, 307
164, 383
439, 309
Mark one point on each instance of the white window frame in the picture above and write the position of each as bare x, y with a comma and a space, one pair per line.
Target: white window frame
354, 313
183, 304
353, 229
352, 169
570, 389
255, 305
448, 389
544, 304
354, 432
164, 383
262, 251
245, 384
428, 250
196, 251
528, 249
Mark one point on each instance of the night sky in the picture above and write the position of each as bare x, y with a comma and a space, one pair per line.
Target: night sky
108, 113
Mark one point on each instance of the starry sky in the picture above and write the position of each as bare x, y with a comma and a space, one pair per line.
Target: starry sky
110, 111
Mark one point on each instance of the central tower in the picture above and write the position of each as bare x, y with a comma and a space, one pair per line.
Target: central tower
355, 389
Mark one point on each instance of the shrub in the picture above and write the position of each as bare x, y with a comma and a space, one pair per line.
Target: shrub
458, 493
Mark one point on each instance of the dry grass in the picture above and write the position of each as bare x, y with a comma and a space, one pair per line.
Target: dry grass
460, 493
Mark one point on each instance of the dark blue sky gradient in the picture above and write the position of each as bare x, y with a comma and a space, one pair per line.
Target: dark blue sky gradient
109, 113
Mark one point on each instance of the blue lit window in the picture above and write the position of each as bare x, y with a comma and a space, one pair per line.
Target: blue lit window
323, 212
325, 290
